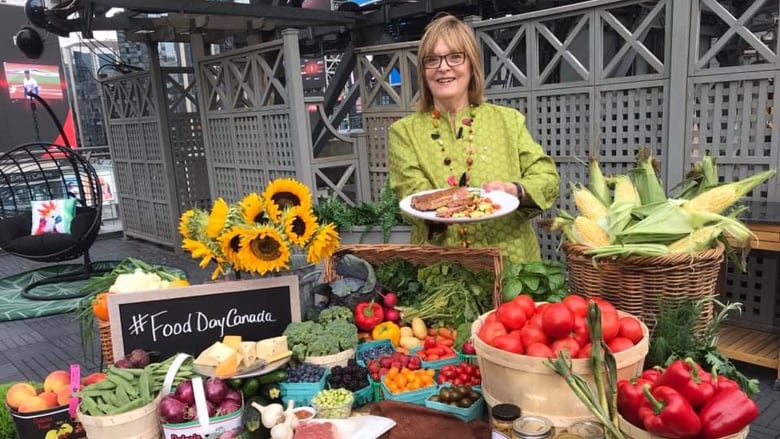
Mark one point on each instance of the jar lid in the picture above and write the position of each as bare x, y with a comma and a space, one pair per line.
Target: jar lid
532, 426
505, 412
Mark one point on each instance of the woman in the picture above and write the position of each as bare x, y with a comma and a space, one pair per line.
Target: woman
456, 138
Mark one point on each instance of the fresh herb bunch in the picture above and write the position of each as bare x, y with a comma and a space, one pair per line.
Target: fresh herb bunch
399, 276
674, 337
543, 280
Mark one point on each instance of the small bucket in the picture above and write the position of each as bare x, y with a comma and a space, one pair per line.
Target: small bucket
141, 423
40, 424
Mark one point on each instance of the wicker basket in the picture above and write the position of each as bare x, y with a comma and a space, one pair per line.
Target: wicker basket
636, 284
474, 259
106, 348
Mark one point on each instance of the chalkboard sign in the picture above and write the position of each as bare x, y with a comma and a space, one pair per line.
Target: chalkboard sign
190, 319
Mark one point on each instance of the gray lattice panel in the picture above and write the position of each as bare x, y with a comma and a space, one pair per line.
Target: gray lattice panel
631, 118
123, 178
376, 128
189, 157
226, 183
548, 242
131, 219
279, 149
152, 141
519, 102
561, 123
252, 180
220, 133
248, 142
570, 173
157, 181
162, 222
756, 289
140, 178
118, 141
136, 143
732, 118
146, 211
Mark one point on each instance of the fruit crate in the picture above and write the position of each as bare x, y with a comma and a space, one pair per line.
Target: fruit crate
438, 364
368, 345
302, 393
474, 259
411, 396
466, 358
474, 411
376, 388
364, 395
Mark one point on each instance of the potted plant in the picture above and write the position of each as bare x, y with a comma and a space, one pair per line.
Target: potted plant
366, 222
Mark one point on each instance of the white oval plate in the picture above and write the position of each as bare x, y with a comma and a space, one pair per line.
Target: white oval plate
259, 367
507, 204
360, 427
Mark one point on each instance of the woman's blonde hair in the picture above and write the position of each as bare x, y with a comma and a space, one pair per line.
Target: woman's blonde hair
460, 38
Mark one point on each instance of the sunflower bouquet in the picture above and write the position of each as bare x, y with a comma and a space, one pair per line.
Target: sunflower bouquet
259, 233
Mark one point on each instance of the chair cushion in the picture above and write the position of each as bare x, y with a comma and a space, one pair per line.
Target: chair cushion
14, 227
15, 234
52, 216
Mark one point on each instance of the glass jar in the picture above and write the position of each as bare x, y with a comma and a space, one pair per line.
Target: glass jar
502, 416
532, 427
587, 429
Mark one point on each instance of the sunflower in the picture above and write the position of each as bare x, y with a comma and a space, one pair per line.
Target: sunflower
199, 249
284, 193
230, 243
263, 249
324, 243
299, 225
252, 209
217, 218
185, 224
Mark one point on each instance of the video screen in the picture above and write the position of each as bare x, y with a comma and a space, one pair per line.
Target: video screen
42, 79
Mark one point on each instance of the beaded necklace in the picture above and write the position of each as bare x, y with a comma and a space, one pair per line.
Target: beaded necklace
466, 176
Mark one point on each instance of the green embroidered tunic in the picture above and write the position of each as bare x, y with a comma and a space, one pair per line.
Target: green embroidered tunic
504, 150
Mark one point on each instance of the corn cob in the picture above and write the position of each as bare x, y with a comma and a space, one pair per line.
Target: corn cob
647, 183
664, 223
588, 233
588, 205
720, 198
696, 241
596, 182
625, 192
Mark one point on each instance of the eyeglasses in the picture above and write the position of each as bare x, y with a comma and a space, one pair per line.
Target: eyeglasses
453, 59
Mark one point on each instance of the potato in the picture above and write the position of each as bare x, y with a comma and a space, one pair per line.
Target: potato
406, 331
418, 328
410, 342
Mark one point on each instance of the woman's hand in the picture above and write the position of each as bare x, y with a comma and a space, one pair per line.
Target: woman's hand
504, 186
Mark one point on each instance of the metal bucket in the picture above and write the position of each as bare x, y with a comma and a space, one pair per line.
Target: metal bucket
308, 276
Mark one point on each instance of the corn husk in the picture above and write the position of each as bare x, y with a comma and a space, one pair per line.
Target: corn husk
646, 180
597, 183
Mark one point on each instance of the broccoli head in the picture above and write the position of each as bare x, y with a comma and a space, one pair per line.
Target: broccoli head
323, 344
343, 332
336, 312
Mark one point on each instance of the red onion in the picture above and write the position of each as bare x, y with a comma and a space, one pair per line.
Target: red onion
171, 410
184, 392
215, 390
228, 406
234, 395
192, 411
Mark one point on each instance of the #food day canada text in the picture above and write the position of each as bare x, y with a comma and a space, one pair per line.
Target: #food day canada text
189, 319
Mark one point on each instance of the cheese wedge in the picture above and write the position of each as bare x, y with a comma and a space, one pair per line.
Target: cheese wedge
228, 366
233, 341
215, 354
248, 353
271, 349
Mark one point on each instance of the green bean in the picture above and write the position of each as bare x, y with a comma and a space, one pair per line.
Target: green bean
124, 373
134, 404
110, 398
101, 385
129, 386
121, 395
107, 408
143, 383
90, 406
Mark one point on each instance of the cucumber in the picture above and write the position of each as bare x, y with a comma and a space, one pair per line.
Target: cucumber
270, 391
273, 377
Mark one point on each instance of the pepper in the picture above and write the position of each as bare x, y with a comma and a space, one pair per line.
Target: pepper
721, 383
630, 397
100, 306
665, 412
387, 331
685, 377
653, 374
368, 315
727, 413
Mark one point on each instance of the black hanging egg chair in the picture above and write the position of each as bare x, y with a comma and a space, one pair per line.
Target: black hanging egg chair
40, 171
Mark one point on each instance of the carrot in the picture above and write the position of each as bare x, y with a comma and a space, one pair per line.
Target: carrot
446, 332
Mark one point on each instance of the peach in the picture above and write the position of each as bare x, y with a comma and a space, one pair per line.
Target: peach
33, 404
50, 398
56, 380
63, 396
18, 393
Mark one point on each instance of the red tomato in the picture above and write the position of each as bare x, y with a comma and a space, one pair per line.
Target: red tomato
620, 344
527, 303
604, 305
511, 315
581, 333
508, 343
539, 350
577, 304
531, 334
536, 320
568, 344
540, 308
630, 329
610, 326
584, 351
491, 330
517, 333
491, 317
557, 320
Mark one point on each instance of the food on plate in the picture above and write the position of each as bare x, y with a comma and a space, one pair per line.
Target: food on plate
232, 354
455, 202
273, 349
440, 198
316, 430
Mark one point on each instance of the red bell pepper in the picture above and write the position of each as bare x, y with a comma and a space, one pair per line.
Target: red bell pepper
653, 374
665, 412
727, 413
685, 377
368, 315
721, 383
630, 397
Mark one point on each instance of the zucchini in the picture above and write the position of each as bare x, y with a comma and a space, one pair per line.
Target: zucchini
273, 377
270, 391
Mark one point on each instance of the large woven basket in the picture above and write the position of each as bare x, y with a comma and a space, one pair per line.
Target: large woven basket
474, 259
106, 348
637, 284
